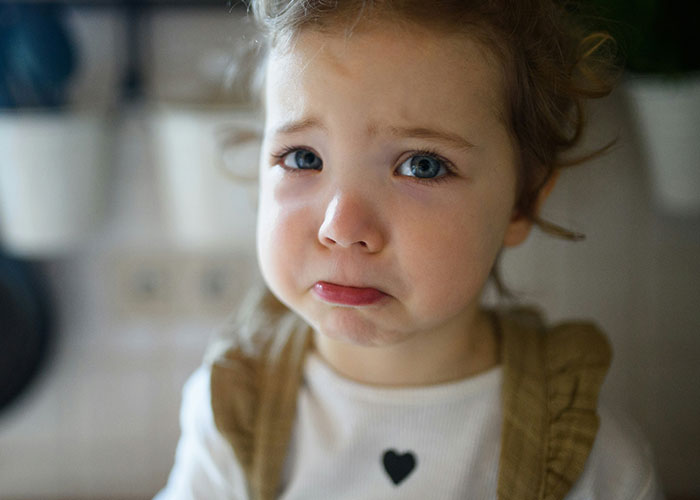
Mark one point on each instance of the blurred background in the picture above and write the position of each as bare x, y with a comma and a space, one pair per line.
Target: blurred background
128, 155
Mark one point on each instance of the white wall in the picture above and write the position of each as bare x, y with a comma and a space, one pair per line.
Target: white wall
102, 419
636, 274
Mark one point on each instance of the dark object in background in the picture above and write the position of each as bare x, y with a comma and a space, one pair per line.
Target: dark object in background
24, 327
659, 37
37, 56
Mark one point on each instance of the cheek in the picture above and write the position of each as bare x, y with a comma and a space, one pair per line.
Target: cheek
451, 258
284, 230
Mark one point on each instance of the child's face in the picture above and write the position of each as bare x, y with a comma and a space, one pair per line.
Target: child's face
385, 165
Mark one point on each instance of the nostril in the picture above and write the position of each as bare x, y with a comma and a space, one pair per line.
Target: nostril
332, 242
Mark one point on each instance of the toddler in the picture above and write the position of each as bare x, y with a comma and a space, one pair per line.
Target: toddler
406, 143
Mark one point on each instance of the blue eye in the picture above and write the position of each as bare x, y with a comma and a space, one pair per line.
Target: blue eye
422, 167
302, 159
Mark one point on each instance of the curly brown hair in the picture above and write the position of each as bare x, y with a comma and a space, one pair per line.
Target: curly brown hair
551, 66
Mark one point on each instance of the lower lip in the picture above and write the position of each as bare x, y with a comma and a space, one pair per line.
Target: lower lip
347, 295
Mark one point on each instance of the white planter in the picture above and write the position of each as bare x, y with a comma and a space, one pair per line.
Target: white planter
207, 163
668, 116
53, 167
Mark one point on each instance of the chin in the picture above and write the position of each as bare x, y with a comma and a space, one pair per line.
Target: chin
348, 326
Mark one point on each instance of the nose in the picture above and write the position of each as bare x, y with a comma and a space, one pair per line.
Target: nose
350, 222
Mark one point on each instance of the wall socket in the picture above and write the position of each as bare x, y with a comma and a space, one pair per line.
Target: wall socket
166, 284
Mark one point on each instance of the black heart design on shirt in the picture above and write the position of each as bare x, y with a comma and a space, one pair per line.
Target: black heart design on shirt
398, 466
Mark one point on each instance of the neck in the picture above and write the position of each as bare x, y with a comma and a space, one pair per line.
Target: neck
424, 359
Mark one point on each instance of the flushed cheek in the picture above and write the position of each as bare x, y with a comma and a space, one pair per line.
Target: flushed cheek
447, 267
285, 233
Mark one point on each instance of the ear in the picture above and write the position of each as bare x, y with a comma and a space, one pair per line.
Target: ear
520, 225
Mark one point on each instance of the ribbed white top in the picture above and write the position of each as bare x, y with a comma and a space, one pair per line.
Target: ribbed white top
353, 440
360, 442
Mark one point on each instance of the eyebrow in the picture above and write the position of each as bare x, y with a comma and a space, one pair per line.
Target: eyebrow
436, 135
294, 126
448, 138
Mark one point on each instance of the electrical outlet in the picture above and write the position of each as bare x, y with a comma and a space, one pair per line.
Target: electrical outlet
180, 284
144, 284
213, 284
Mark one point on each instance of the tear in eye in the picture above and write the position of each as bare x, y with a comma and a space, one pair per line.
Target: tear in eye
302, 159
423, 167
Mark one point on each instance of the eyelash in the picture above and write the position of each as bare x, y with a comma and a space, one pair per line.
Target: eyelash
284, 152
447, 164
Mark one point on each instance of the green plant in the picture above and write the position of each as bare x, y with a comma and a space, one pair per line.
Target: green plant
654, 36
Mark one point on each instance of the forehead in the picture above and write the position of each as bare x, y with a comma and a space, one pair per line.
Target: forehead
387, 72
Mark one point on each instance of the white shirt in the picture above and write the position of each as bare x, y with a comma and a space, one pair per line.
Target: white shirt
355, 441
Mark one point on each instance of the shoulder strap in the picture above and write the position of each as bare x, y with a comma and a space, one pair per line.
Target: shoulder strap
551, 381
550, 391
254, 387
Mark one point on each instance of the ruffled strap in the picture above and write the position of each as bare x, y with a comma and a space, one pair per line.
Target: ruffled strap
551, 381
254, 386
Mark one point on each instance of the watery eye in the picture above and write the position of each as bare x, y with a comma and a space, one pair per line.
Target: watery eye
423, 167
302, 159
